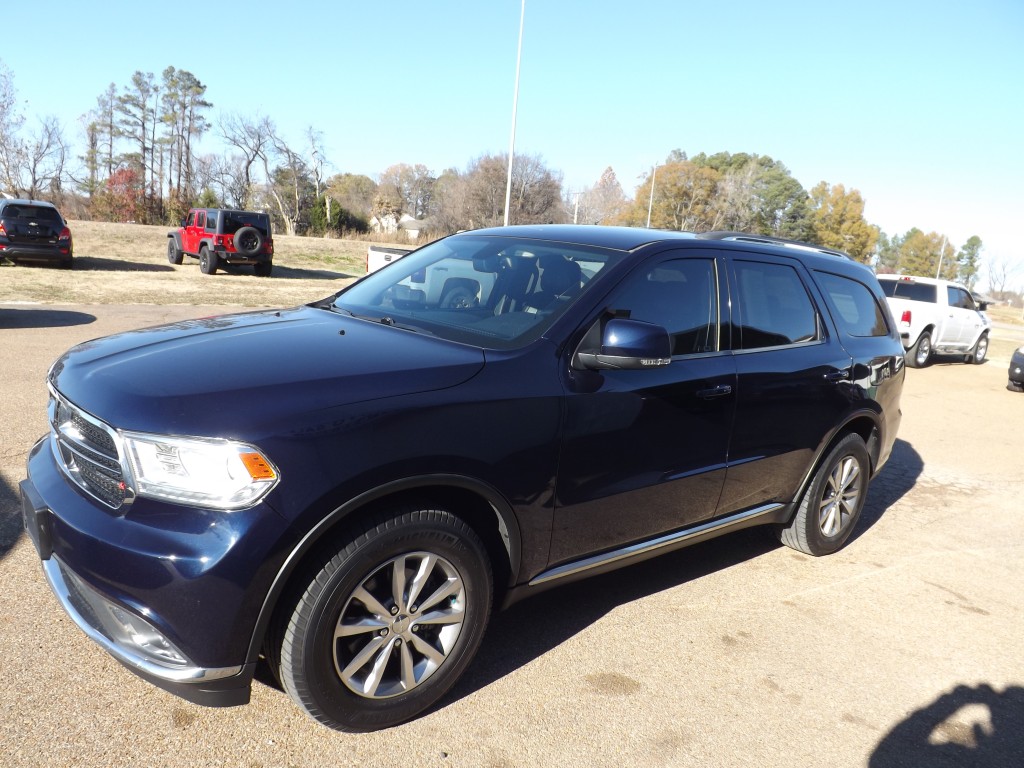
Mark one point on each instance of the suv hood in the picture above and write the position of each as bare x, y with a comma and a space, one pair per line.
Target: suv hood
222, 376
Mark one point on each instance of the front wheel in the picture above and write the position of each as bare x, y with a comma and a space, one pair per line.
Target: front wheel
207, 261
387, 622
832, 502
918, 355
980, 351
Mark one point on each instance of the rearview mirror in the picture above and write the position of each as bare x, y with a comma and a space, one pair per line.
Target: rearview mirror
628, 344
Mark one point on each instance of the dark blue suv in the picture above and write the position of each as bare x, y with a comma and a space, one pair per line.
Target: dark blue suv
345, 490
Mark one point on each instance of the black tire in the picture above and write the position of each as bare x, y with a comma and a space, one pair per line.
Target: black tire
919, 354
248, 241
263, 268
1014, 386
833, 501
68, 262
174, 254
207, 261
348, 620
459, 297
980, 352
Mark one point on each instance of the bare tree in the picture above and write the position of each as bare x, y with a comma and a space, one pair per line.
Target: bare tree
254, 139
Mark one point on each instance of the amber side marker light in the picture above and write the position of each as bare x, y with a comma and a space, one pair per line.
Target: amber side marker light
257, 466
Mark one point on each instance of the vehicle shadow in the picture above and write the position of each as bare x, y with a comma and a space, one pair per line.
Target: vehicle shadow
968, 726
290, 273
100, 264
18, 317
528, 630
897, 477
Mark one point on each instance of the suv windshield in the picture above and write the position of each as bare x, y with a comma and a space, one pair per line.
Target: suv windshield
488, 291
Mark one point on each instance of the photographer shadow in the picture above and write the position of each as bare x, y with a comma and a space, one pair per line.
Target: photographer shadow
967, 726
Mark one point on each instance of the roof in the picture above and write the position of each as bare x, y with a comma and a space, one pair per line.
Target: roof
618, 238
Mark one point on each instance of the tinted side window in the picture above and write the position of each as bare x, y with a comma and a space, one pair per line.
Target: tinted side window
958, 297
853, 306
682, 296
211, 221
773, 306
190, 222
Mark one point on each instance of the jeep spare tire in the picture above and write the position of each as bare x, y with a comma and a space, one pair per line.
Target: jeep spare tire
248, 241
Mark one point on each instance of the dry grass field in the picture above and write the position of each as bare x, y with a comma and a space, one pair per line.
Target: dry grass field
127, 264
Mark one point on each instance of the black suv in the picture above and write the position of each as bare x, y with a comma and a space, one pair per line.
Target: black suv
32, 230
365, 477
218, 236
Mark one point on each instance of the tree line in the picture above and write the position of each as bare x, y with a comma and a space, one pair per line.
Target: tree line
141, 162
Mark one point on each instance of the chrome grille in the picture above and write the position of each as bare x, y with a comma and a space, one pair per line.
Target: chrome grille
87, 451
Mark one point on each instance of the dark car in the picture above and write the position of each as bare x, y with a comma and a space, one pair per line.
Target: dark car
34, 231
221, 236
344, 490
1015, 380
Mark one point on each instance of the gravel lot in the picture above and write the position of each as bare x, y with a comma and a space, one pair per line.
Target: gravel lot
904, 649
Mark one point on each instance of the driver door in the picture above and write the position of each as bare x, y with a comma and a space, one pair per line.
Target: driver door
645, 450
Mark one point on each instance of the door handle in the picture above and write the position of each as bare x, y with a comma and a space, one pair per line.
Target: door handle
720, 391
834, 377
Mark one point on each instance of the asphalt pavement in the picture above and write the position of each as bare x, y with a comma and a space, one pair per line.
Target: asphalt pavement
903, 649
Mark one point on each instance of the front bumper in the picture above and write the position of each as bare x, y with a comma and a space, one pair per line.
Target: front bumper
167, 591
1016, 372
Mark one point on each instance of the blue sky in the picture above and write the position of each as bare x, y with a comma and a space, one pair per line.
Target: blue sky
919, 105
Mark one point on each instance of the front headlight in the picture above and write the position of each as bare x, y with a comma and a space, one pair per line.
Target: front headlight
209, 473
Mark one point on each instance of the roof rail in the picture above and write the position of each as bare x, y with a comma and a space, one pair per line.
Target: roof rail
746, 237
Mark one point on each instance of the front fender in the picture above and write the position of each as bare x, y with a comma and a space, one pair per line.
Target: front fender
506, 521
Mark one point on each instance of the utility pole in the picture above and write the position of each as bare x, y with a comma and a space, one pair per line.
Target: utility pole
650, 203
942, 252
515, 106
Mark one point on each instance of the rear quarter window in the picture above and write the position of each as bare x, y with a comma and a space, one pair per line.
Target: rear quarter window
853, 305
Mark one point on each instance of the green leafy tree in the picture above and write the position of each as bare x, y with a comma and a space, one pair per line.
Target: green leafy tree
969, 262
915, 253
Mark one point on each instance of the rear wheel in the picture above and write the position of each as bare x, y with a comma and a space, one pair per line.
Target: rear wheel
386, 622
918, 355
263, 268
832, 502
207, 261
174, 254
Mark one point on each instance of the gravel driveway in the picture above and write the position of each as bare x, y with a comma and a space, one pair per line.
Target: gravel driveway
904, 649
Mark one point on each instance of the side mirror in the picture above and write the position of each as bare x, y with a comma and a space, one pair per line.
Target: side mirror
629, 344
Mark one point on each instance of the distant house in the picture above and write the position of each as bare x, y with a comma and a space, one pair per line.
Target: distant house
389, 225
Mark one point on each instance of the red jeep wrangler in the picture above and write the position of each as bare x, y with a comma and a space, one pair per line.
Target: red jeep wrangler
219, 236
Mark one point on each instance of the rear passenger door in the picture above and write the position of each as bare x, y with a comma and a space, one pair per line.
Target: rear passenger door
791, 380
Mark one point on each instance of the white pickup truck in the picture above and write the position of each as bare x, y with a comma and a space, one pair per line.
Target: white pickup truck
936, 316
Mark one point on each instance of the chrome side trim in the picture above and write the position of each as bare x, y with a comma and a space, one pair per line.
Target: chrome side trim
651, 545
176, 674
